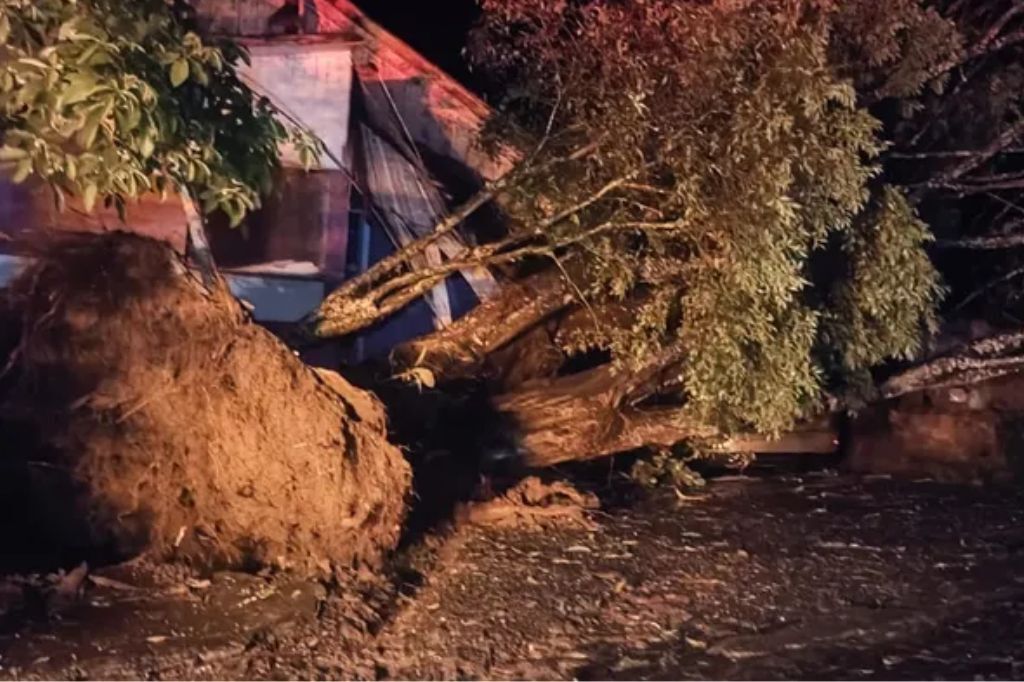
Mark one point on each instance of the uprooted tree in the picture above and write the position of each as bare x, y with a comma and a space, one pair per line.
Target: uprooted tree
720, 211
719, 224
141, 410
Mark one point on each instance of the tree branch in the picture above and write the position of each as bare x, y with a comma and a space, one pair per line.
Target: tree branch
990, 43
974, 362
991, 284
340, 315
971, 163
987, 243
967, 189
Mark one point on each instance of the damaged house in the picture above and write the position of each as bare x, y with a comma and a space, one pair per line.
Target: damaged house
402, 145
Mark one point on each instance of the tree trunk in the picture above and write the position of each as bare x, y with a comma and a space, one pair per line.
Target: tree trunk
596, 413
460, 350
974, 362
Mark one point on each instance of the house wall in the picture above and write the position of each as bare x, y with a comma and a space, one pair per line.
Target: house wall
29, 207
304, 223
312, 84
304, 229
439, 113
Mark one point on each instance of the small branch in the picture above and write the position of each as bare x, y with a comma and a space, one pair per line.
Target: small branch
973, 362
971, 188
923, 156
988, 286
972, 163
579, 292
589, 201
991, 242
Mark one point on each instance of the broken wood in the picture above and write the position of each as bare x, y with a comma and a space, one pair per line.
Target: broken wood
459, 350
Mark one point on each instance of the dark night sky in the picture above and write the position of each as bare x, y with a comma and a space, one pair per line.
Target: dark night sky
436, 28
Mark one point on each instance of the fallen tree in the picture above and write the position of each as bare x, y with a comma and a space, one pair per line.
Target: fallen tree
699, 243
705, 247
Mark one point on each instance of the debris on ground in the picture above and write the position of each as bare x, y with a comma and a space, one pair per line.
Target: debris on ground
799, 577
532, 503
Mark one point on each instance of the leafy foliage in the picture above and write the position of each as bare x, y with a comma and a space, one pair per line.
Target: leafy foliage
699, 159
107, 100
890, 288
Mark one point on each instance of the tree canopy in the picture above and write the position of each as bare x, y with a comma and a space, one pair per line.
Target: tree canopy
730, 155
107, 100
737, 198
710, 165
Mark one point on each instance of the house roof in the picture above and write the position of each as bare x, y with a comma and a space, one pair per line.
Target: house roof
346, 15
439, 112
401, 89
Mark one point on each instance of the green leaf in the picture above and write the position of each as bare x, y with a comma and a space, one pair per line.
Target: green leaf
199, 73
69, 29
87, 135
35, 63
22, 171
179, 72
8, 154
80, 87
89, 196
234, 212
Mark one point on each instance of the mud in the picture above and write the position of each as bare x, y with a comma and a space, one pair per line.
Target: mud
143, 413
792, 576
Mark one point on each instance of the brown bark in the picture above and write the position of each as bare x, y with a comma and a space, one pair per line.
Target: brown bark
977, 361
594, 413
1010, 238
460, 350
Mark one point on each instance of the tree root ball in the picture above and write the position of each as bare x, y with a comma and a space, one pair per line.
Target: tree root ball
153, 417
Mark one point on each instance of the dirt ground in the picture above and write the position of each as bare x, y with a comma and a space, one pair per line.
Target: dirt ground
786, 576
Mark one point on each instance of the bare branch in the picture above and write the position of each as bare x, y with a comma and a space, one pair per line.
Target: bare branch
990, 43
924, 156
977, 361
967, 189
988, 286
972, 163
987, 243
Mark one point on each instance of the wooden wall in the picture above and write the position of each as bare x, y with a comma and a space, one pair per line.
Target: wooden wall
30, 207
305, 220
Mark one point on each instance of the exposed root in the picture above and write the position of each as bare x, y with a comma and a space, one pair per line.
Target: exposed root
152, 417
